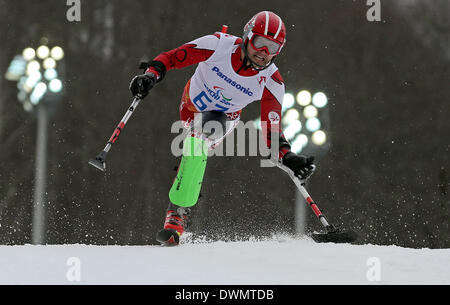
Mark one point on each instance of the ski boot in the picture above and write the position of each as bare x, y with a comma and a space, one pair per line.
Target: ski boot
174, 225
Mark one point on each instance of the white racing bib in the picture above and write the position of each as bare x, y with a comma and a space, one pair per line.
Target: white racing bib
216, 86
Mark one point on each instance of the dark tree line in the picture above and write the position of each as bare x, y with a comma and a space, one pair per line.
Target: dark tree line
385, 175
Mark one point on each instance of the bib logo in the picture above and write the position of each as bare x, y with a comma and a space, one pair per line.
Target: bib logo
274, 118
232, 82
218, 95
219, 91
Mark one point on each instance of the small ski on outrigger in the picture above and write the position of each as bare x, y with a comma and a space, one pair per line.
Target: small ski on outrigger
333, 234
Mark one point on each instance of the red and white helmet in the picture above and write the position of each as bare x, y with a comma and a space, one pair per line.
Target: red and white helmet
268, 25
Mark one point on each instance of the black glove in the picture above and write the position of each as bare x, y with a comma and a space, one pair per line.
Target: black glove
302, 166
142, 84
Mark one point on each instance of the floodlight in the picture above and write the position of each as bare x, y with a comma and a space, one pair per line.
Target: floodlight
291, 115
304, 98
49, 63
55, 85
313, 124
288, 101
319, 137
43, 52
310, 111
293, 129
320, 100
57, 53
50, 74
29, 54
38, 93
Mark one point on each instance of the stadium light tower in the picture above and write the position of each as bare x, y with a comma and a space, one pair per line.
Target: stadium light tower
312, 138
305, 122
38, 75
306, 126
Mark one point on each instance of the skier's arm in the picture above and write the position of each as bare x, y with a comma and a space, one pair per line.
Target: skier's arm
271, 105
188, 54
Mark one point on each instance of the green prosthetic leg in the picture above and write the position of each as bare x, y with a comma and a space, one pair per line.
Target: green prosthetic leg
186, 186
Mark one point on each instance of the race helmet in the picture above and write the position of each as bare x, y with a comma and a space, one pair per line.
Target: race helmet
265, 31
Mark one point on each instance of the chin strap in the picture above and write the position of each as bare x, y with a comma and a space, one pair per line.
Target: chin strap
244, 65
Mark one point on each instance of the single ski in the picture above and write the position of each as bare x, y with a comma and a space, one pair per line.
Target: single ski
188, 182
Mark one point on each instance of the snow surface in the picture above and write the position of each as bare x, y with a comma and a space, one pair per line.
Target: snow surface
279, 261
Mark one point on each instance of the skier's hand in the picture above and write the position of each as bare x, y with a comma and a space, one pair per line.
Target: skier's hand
302, 166
142, 84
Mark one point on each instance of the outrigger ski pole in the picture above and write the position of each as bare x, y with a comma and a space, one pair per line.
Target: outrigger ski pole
99, 161
333, 234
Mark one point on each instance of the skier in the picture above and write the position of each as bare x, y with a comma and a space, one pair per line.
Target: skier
232, 72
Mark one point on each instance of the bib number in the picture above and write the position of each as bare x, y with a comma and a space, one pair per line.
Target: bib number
201, 99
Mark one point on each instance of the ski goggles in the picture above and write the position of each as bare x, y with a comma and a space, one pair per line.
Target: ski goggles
261, 43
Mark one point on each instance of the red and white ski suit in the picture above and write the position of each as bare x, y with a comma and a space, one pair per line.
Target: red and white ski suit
222, 83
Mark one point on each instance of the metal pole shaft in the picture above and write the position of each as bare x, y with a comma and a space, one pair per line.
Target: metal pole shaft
38, 231
122, 124
1, 108
305, 194
300, 213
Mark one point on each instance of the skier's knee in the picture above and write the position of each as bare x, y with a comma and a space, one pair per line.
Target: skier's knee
213, 124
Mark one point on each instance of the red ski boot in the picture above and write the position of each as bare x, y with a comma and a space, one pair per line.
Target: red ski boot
174, 225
